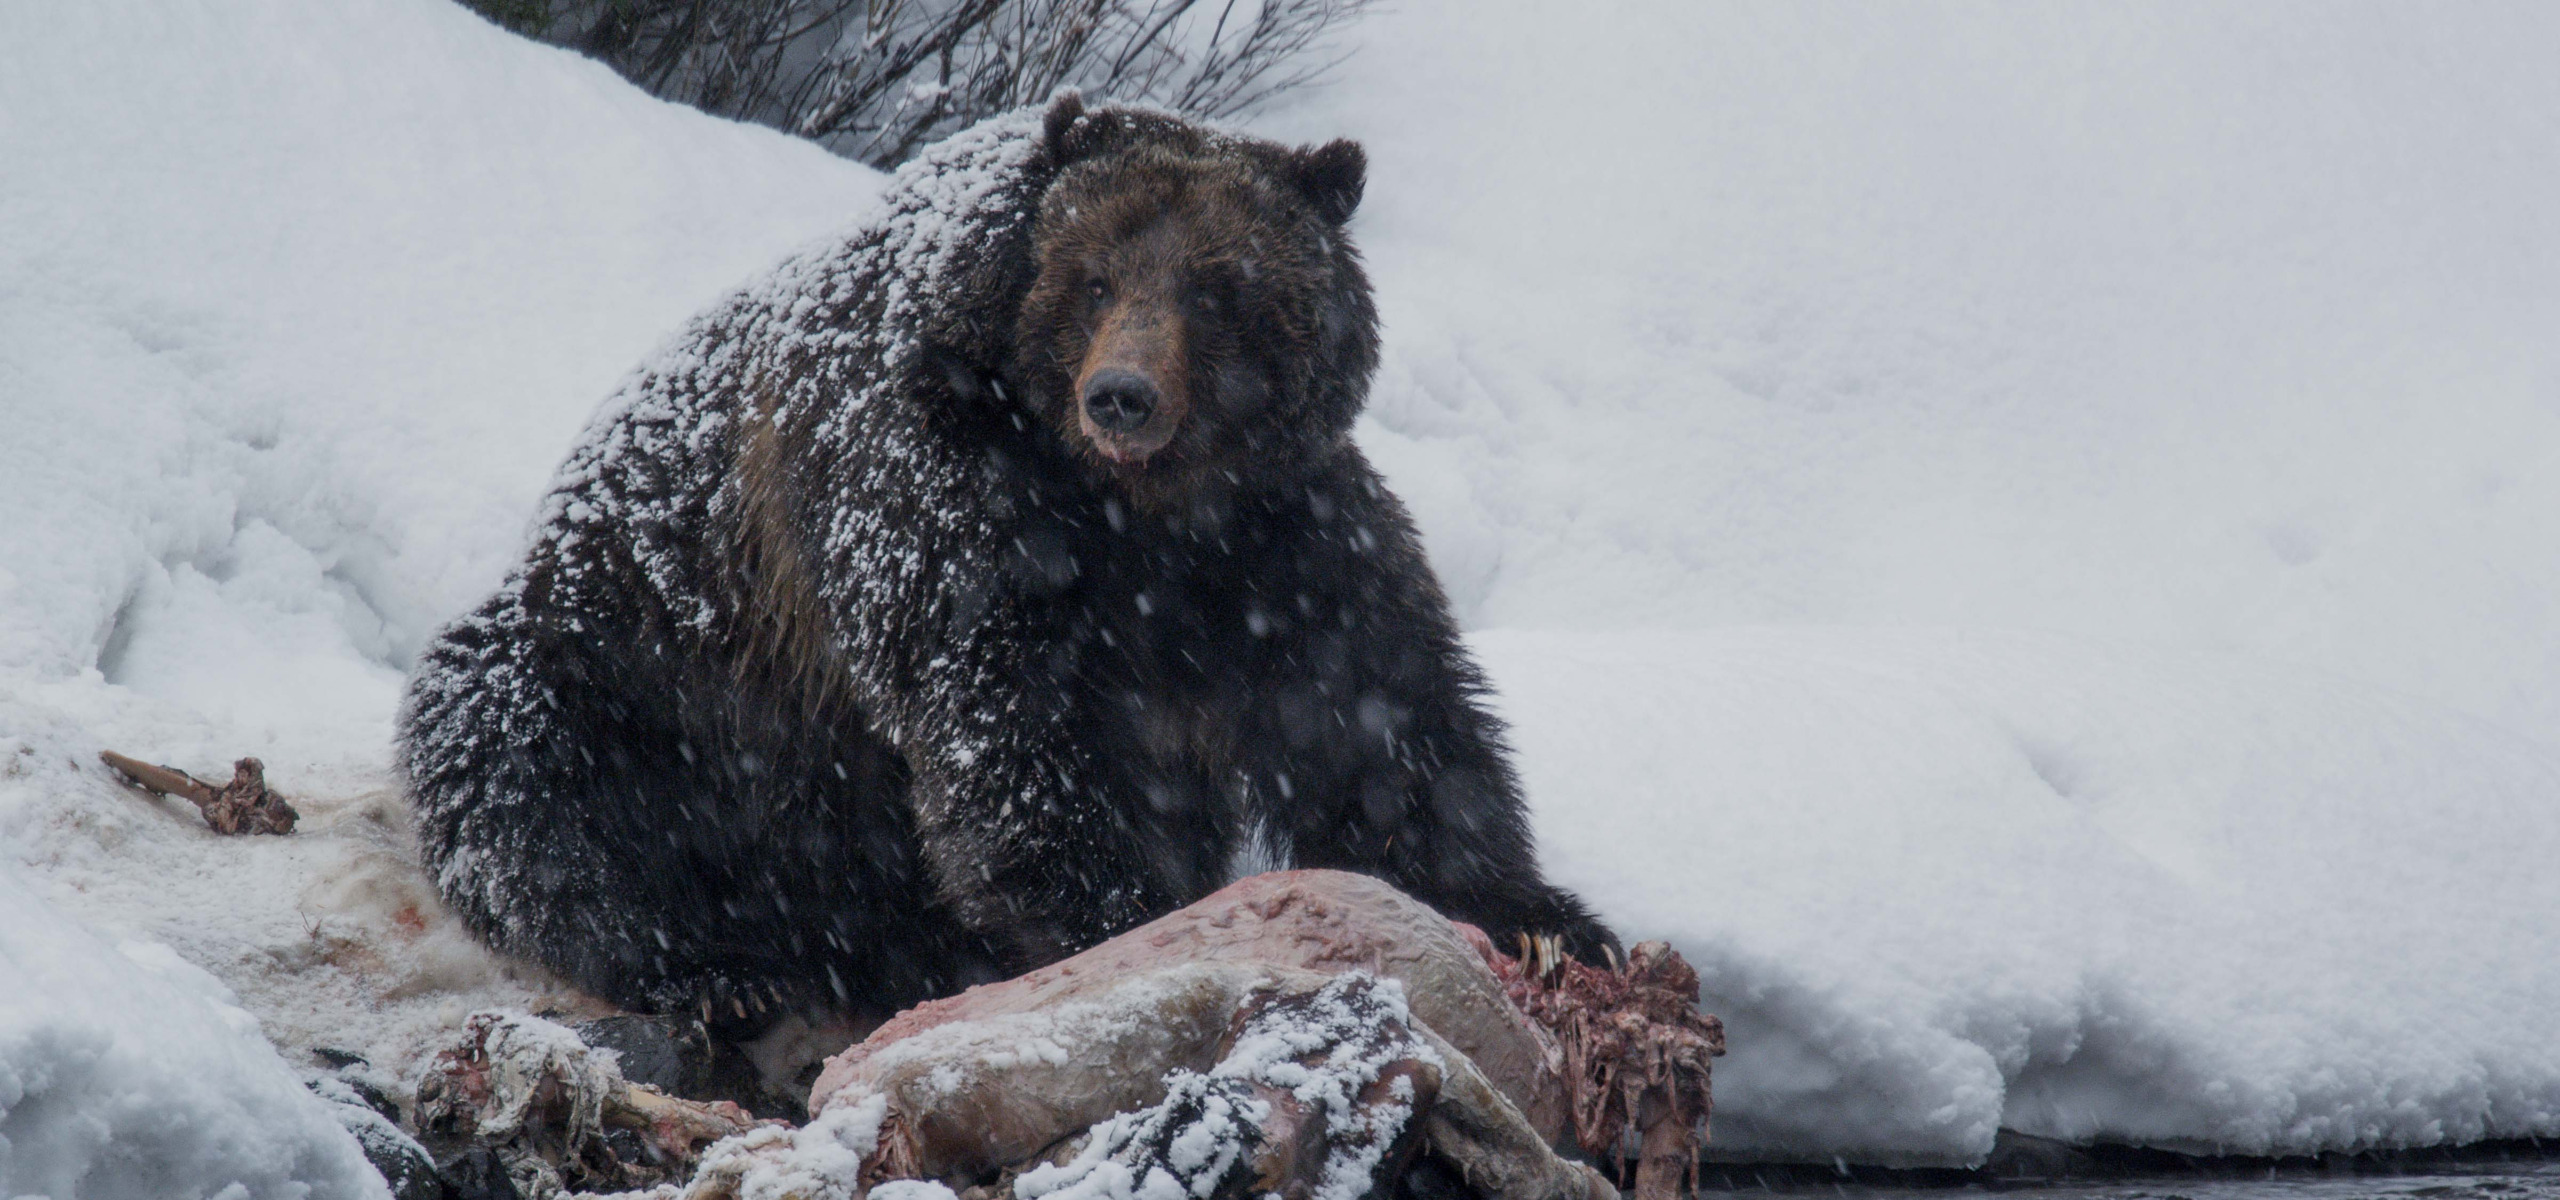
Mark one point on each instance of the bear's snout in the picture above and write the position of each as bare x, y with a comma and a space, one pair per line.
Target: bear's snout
1119, 402
1129, 396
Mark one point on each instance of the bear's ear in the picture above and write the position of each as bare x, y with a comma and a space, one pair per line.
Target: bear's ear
1058, 129
1332, 176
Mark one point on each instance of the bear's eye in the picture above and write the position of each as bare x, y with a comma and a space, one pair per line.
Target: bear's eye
1204, 299
1097, 290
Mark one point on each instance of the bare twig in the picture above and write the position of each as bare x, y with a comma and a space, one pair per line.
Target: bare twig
875, 79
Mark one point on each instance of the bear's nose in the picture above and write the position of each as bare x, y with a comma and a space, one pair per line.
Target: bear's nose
1119, 401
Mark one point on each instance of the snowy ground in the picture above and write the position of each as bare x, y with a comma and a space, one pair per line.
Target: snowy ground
299, 304
2018, 537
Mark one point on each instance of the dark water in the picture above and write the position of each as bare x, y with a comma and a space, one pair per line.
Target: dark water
2512, 1171
2496, 1181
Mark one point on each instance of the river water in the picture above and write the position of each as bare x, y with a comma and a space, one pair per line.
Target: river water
2510, 1172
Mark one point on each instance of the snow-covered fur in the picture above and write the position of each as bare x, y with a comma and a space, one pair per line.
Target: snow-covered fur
843, 672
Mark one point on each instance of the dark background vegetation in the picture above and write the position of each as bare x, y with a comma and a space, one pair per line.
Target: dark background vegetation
876, 79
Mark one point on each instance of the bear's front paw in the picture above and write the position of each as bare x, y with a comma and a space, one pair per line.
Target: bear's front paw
1585, 941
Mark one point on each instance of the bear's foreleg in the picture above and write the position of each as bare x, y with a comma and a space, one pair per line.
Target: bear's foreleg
1030, 829
1379, 714
1031, 850
1432, 807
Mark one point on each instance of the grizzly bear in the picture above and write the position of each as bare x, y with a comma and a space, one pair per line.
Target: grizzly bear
969, 591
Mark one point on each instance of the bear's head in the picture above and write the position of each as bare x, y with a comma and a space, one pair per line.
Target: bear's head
1198, 323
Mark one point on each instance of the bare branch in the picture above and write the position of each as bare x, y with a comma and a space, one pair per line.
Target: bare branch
875, 79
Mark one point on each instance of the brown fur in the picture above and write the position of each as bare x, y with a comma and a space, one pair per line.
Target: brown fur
791, 633
1142, 335
1161, 260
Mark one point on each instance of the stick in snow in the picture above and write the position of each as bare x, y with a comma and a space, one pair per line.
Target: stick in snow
243, 805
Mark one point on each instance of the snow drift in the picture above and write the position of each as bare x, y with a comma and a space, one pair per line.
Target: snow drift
127, 1072
299, 303
2211, 343
1760, 372
1939, 883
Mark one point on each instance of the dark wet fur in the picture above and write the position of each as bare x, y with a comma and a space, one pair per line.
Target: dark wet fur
842, 707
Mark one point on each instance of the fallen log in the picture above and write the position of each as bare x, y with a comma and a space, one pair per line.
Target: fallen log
244, 805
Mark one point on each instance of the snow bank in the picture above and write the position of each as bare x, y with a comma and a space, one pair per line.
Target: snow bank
1943, 882
2206, 339
127, 1074
2215, 326
303, 302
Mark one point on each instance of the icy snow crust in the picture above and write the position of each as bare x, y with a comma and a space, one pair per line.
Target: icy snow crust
2211, 341
1322, 1049
128, 1074
821, 1158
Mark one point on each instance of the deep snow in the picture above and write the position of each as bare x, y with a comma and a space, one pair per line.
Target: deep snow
2018, 538
127, 1071
299, 304
2086, 891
